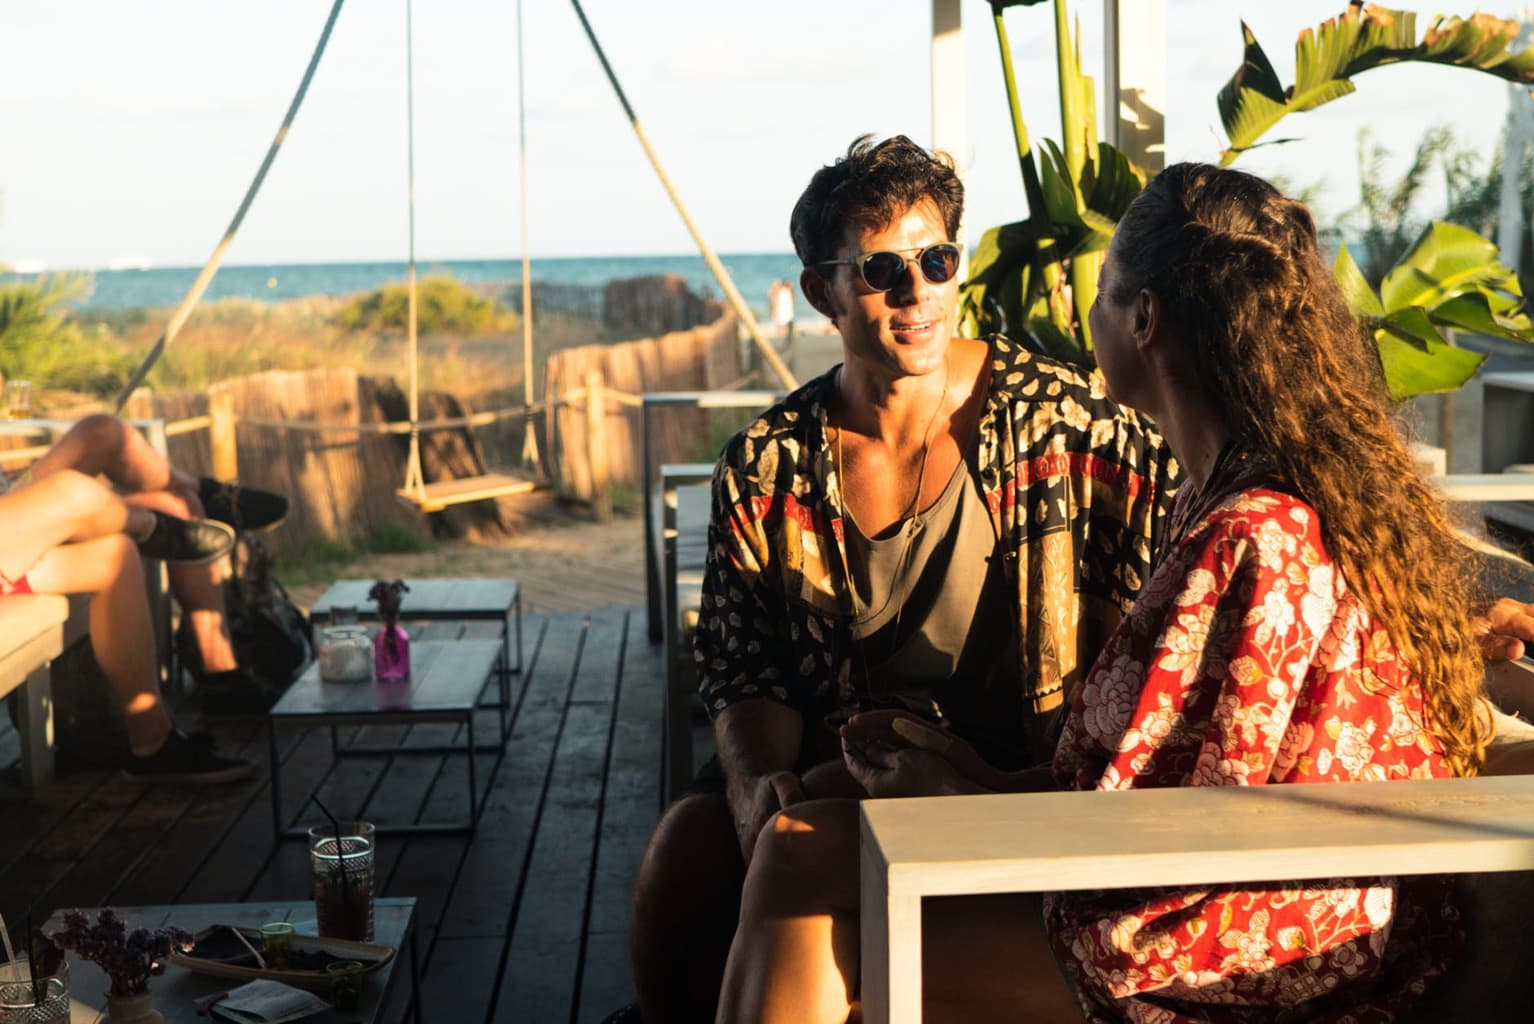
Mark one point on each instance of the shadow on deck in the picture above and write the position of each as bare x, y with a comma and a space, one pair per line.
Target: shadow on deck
525, 921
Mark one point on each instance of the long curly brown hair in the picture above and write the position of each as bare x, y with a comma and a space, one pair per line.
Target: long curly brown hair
1241, 279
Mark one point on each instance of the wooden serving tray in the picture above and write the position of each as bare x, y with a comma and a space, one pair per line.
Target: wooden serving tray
240, 965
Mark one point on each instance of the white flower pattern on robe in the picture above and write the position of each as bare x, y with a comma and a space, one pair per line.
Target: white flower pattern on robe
1248, 661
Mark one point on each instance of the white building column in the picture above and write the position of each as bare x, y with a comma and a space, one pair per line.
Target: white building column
1134, 35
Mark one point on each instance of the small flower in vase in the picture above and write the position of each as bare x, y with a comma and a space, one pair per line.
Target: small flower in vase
391, 646
130, 960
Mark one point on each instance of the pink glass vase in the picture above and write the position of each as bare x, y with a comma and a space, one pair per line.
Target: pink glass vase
391, 653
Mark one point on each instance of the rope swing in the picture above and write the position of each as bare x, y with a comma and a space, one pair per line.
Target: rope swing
416, 491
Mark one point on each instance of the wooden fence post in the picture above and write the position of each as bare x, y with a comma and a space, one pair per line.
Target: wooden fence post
596, 447
226, 465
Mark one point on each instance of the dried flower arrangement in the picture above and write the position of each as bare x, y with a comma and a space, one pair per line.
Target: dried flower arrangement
130, 960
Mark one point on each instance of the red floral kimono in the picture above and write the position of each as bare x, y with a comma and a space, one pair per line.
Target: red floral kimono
1247, 661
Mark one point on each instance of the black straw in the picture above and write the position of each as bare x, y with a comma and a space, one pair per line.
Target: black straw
335, 823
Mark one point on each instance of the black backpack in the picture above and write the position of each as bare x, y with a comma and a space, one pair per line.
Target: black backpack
271, 636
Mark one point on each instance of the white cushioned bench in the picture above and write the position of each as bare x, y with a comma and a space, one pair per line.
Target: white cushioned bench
31, 636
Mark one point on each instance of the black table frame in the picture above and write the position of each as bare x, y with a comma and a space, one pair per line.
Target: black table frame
335, 720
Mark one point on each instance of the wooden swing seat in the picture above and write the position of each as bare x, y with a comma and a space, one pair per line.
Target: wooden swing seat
435, 497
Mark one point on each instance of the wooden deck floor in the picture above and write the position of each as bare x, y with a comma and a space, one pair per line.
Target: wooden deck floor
525, 921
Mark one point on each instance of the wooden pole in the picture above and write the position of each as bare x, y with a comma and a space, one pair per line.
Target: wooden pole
221, 436
529, 444
596, 448
720, 273
178, 318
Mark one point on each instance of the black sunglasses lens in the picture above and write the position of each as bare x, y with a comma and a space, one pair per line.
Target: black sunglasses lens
881, 270
939, 262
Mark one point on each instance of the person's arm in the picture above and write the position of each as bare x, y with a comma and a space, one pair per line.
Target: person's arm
758, 746
1505, 630
740, 645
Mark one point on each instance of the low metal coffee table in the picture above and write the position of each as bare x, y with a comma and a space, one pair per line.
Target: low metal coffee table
178, 991
445, 685
467, 600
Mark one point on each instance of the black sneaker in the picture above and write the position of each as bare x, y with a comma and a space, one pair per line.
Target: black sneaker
186, 541
244, 508
236, 692
184, 758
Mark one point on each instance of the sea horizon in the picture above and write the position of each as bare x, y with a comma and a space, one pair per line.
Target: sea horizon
153, 287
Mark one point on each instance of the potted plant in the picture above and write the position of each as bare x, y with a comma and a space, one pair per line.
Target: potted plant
129, 959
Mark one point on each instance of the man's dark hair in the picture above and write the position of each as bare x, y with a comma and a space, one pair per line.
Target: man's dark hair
867, 188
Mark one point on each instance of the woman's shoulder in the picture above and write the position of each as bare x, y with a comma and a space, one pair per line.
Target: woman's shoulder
1266, 521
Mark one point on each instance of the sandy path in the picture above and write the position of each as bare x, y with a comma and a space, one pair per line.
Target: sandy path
565, 567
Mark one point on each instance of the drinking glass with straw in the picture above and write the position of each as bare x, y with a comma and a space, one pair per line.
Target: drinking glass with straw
342, 859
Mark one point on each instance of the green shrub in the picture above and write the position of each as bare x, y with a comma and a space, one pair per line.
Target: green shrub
394, 537
38, 341
443, 304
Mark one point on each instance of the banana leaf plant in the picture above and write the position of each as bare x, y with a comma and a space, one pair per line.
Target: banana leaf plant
1036, 278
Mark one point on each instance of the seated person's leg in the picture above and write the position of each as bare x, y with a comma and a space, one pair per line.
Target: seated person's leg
686, 899
108, 568
105, 445
795, 955
64, 508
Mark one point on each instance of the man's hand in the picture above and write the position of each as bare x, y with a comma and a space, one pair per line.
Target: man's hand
1505, 630
893, 729
886, 769
756, 798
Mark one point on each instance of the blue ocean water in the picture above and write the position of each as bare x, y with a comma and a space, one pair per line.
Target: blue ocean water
160, 287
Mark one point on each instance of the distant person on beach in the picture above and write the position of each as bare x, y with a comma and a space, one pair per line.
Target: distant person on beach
780, 302
102, 445
942, 526
66, 533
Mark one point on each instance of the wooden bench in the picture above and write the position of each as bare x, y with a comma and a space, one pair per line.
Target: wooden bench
1010, 843
31, 636
684, 508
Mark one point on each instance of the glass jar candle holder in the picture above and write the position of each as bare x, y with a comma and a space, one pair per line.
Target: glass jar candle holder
345, 654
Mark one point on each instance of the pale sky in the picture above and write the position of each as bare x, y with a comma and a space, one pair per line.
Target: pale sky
132, 127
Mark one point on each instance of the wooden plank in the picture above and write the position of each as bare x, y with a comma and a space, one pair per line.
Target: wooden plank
541, 982
630, 798
601, 657
41, 865
187, 850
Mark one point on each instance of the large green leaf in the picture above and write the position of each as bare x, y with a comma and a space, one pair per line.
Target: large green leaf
1417, 359
1355, 287
1447, 261
1357, 40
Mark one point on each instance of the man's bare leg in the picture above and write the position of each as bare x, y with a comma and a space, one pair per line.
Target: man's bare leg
198, 589
687, 901
108, 568
66, 508
796, 955
105, 445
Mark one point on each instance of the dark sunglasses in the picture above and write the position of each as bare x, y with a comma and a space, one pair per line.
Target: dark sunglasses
883, 270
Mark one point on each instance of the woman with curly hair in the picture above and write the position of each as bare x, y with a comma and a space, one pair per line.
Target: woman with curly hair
1307, 621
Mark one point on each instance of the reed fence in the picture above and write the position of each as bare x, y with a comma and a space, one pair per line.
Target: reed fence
336, 442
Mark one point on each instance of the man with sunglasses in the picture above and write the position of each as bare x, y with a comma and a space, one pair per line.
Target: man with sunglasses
947, 525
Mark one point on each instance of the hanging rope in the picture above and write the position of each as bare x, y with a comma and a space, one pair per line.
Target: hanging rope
529, 442
178, 319
413, 476
720, 273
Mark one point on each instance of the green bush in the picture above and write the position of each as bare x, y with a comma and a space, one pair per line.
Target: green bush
39, 343
443, 304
